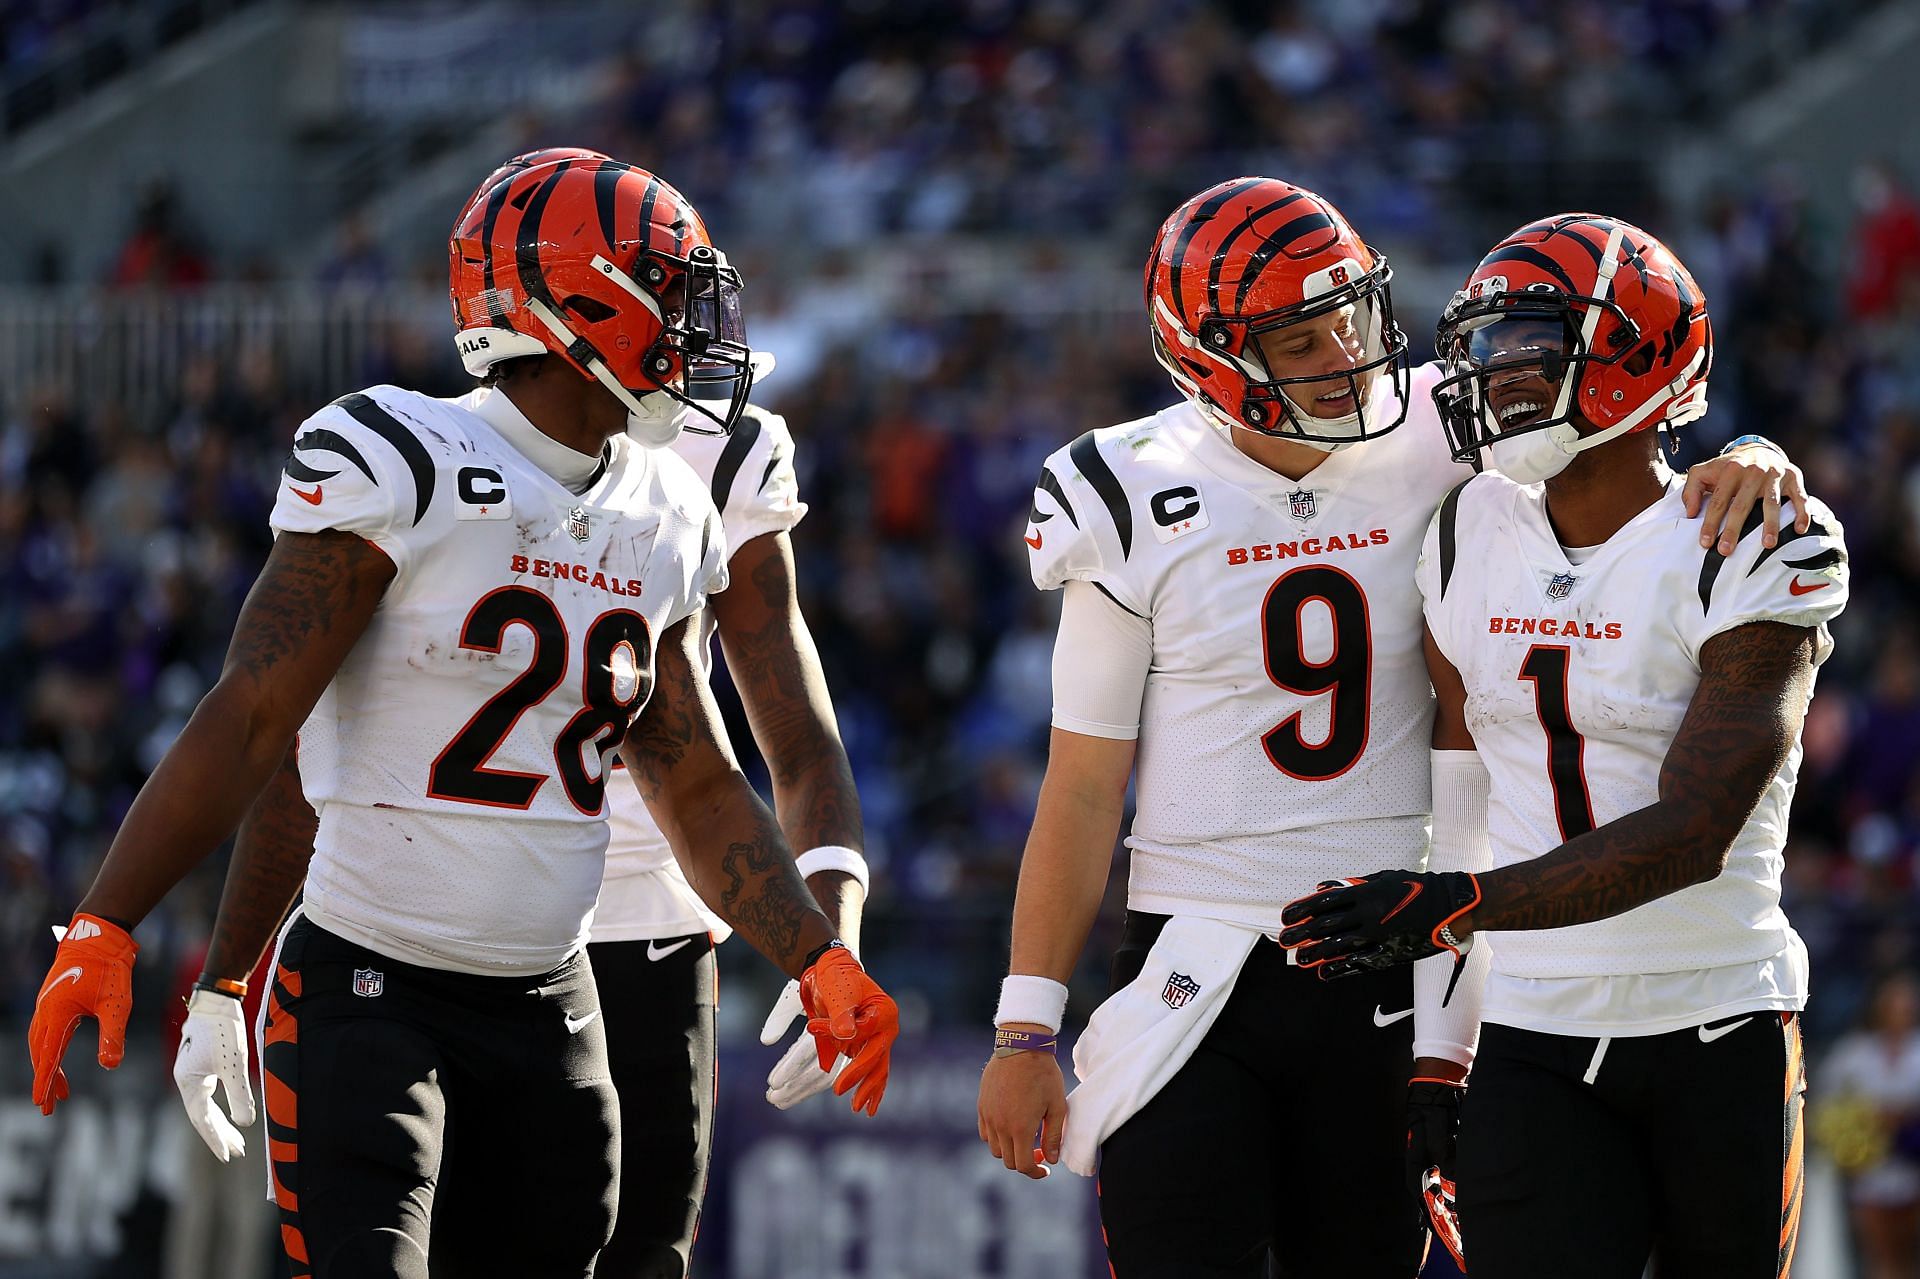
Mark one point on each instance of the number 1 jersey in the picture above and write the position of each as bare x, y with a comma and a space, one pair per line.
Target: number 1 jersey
458, 758
1286, 719
1577, 678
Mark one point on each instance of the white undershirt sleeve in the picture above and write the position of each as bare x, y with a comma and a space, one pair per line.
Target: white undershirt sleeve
1460, 790
1101, 656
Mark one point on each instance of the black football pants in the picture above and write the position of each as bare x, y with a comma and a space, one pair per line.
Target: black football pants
1580, 1163
1278, 1150
658, 1000
413, 1111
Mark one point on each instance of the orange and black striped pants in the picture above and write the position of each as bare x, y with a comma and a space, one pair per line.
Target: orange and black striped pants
413, 1112
1581, 1158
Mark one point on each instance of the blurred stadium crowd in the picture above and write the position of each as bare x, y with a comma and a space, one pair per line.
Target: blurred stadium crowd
127, 540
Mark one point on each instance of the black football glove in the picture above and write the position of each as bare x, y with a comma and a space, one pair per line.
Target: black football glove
1380, 921
1433, 1124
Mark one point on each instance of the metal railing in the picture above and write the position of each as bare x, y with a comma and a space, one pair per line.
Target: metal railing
135, 349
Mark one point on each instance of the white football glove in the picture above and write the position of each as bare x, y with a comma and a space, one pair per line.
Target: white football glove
213, 1050
797, 1075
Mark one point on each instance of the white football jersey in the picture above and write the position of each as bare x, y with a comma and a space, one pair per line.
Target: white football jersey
1285, 726
457, 760
1577, 678
750, 475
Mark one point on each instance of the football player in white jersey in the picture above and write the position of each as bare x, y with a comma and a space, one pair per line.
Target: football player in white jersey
1618, 732
1237, 597
434, 1059
653, 938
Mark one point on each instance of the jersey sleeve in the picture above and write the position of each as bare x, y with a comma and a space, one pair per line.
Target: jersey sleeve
1080, 528
356, 468
1802, 580
1433, 571
709, 576
754, 483
1101, 657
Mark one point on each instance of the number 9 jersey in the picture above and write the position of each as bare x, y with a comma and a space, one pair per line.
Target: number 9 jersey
458, 758
1285, 722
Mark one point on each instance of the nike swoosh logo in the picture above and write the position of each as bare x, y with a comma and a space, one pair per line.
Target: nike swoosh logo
657, 952
312, 498
1413, 891
1381, 1017
576, 1024
1034, 541
1710, 1033
72, 974
1797, 587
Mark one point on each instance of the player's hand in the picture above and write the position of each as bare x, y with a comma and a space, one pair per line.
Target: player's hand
848, 1014
1023, 1110
798, 1074
213, 1050
1377, 921
1433, 1126
1730, 485
92, 976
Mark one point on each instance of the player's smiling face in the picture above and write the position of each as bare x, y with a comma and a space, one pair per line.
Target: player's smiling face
1515, 352
1325, 347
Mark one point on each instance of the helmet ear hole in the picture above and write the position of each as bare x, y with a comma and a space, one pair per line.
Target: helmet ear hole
592, 310
1197, 369
1639, 362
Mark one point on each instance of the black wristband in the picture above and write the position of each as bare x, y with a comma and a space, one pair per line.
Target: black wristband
232, 989
813, 956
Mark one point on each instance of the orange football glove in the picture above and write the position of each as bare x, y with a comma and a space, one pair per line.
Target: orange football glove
92, 976
848, 1013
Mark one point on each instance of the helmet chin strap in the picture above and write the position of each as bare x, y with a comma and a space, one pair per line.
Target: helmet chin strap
653, 420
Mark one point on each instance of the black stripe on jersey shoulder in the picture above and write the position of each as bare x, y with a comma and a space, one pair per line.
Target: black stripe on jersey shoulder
1789, 535
706, 538
1449, 539
319, 437
369, 414
772, 462
1116, 601
1085, 453
1714, 561
740, 442
1049, 483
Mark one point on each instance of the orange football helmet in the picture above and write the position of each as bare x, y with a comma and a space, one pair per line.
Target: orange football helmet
1599, 310
608, 267
1253, 255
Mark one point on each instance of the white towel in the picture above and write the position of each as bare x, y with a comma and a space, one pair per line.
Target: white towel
1145, 1032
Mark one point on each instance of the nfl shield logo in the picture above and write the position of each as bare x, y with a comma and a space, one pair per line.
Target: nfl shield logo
577, 526
1180, 988
1300, 504
1561, 586
367, 982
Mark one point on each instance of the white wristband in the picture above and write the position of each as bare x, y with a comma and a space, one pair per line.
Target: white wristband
1040, 1001
847, 861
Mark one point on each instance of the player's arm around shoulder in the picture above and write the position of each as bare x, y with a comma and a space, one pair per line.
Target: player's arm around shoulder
728, 843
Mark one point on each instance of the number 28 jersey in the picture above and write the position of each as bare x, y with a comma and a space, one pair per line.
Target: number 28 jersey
1285, 723
458, 758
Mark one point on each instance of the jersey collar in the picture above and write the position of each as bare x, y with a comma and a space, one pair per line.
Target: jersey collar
574, 470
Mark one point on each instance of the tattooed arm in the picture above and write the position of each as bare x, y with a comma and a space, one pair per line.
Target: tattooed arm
726, 840
1755, 681
308, 608
270, 858
776, 667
